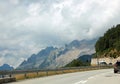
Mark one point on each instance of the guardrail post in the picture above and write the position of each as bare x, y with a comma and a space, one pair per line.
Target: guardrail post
46, 73
10, 75
3, 76
62, 71
37, 73
56, 72
25, 75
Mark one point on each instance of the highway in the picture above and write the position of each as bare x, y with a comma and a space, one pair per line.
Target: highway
105, 76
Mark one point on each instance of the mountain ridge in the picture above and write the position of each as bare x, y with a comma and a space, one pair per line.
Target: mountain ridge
6, 67
52, 57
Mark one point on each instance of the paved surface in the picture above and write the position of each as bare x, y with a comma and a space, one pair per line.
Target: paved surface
105, 76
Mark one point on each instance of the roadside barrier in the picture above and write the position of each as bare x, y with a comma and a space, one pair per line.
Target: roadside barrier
11, 76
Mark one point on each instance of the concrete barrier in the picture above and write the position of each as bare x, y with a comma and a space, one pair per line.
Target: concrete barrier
7, 80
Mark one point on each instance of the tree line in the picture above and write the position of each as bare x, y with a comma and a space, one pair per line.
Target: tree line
109, 43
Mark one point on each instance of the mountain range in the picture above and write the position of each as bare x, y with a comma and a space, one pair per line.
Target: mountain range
6, 67
52, 57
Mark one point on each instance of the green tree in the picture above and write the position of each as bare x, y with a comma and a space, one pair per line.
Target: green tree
109, 41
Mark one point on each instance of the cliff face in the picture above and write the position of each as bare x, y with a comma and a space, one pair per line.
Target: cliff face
51, 57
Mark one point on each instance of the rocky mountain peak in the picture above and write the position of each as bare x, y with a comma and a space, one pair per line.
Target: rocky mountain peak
52, 57
6, 67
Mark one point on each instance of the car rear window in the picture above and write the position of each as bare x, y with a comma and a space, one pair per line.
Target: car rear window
118, 63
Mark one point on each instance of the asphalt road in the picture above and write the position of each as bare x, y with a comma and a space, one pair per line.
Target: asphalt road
105, 76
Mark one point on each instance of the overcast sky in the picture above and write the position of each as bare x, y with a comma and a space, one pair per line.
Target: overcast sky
27, 26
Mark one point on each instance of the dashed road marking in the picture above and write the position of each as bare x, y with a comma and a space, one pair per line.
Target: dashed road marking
91, 77
81, 82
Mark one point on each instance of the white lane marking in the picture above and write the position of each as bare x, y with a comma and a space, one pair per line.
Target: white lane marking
81, 82
84, 81
99, 75
91, 77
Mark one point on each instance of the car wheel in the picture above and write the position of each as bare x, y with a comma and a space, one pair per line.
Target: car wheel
115, 71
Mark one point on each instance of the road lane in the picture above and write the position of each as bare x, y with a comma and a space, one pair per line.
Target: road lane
87, 77
105, 78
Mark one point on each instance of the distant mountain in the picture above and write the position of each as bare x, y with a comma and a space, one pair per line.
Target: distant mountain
52, 57
35, 61
84, 60
6, 67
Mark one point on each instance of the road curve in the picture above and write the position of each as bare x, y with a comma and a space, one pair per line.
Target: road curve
88, 77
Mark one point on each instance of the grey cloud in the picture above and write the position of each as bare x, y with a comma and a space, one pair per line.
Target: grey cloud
25, 29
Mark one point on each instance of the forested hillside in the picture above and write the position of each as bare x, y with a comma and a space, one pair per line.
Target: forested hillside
84, 60
109, 43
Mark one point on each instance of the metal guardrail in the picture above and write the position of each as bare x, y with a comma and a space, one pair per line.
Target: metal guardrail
10, 73
10, 76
